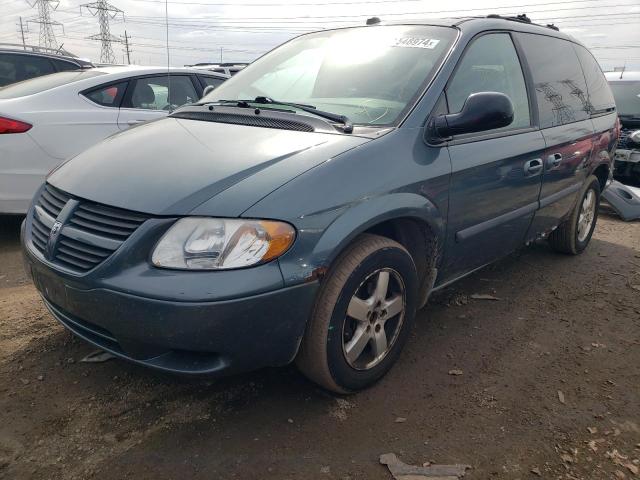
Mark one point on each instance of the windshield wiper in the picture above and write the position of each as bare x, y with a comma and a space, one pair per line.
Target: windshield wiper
348, 125
245, 103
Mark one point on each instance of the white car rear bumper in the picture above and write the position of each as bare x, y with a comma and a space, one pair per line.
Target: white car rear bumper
23, 167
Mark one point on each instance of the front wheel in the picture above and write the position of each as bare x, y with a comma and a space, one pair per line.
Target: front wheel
362, 316
574, 235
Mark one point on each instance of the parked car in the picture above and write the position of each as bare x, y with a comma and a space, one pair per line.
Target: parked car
626, 90
305, 209
228, 69
46, 120
18, 63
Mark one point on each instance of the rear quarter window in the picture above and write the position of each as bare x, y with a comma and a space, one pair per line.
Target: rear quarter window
107, 95
63, 66
561, 90
600, 94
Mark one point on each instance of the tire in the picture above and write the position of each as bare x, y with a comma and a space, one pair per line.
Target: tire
360, 272
569, 237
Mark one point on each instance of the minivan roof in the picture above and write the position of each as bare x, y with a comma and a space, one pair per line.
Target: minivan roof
473, 25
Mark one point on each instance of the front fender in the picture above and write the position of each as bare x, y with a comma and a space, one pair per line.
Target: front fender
316, 248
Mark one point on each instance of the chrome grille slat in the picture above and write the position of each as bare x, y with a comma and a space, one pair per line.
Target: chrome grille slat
113, 212
100, 229
48, 207
56, 202
88, 237
106, 220
87, 257
83, 247
74, 261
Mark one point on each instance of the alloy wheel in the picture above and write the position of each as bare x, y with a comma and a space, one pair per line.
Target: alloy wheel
586, 216
374, 319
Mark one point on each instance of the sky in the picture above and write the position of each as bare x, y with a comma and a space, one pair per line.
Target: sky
242, 30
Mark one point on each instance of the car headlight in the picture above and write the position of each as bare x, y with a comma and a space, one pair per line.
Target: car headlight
201, 243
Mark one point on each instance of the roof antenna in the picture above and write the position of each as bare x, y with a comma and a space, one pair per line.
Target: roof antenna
623, 68
373, 21
166, 17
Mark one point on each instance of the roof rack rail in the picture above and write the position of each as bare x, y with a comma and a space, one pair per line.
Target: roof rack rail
37, 49
523, 18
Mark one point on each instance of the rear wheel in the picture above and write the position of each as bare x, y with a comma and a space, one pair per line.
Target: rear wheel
574, 235
362, 317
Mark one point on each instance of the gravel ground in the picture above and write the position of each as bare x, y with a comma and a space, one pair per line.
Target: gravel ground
549, 388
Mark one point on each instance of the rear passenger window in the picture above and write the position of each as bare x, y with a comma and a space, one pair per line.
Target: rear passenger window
17, 67
63, 66
8, 70
491, 64
107, 96
561, 91
600, 94
34, 67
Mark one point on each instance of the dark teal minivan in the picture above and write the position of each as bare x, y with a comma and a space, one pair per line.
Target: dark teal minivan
305, 209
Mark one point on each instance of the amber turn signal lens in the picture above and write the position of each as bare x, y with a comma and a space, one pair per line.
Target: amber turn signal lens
281, 237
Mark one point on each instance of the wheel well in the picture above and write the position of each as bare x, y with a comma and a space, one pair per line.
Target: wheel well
420, 241
602, 172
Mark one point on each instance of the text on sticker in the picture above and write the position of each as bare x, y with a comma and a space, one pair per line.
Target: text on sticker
416, 42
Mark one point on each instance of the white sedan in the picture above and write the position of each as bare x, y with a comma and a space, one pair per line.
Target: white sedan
46, 120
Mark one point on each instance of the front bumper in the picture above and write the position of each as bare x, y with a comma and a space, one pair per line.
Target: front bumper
189, 337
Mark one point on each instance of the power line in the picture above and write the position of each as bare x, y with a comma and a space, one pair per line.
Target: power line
356, 2
358, 17
47, 37
105, 12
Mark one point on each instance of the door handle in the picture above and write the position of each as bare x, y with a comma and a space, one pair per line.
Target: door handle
134, 122
533, 167
554, 160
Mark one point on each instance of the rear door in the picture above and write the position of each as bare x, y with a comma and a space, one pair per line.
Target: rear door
495, 179
603, 109
153, 97
565, 122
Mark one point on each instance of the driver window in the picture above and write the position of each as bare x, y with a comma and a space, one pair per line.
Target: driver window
157, 93
491, 64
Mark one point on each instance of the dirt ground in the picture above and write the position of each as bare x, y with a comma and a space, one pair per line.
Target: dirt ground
550, 388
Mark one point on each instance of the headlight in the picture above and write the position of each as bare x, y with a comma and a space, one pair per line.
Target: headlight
200, 243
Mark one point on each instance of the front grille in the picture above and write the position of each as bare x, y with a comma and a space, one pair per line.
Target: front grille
90, 232
51, 201
250, 120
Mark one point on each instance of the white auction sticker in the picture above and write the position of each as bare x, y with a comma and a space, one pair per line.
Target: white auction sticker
416, 42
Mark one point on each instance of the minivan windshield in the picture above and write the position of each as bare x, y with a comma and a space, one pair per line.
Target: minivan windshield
369, 74
627, 95
46, 82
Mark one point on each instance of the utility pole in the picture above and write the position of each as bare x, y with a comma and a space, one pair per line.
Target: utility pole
47, 36
24, 45
105, 12
220, 54
126, 46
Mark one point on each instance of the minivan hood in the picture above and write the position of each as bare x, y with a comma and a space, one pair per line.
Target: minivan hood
170, 166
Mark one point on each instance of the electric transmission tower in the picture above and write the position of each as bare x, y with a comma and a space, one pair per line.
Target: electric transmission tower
105, 12
47, 35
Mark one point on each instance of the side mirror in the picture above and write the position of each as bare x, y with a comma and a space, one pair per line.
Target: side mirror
481, 111
207, 90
